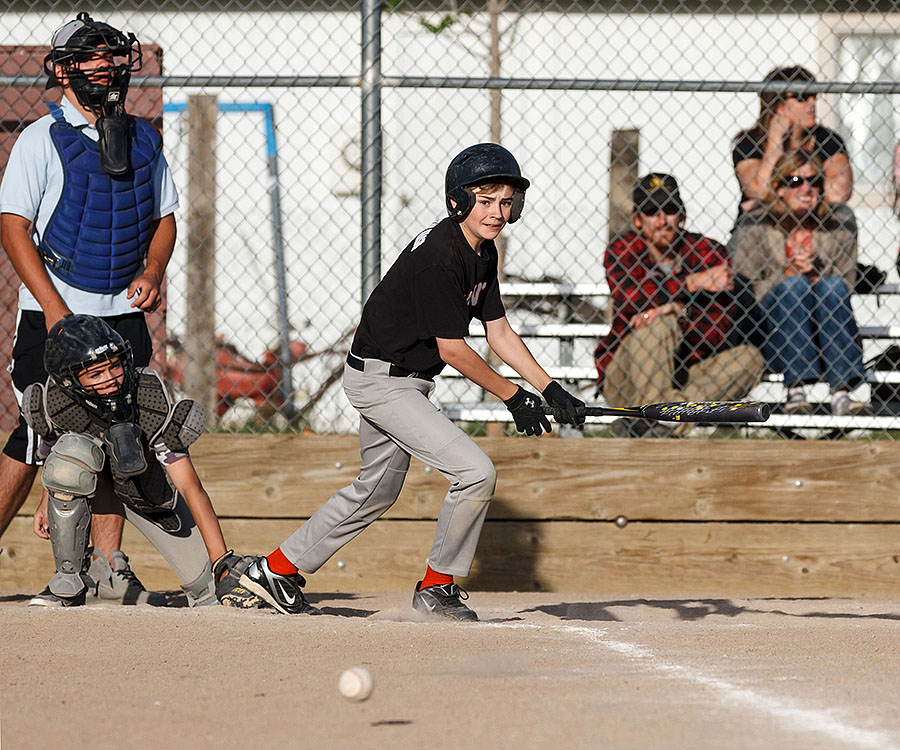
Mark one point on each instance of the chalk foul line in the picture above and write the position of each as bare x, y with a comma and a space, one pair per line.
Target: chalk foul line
792, 714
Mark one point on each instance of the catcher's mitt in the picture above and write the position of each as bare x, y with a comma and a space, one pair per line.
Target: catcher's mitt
227, 572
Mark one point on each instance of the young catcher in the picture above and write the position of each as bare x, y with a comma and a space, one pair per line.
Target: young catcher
414, 323
111, 434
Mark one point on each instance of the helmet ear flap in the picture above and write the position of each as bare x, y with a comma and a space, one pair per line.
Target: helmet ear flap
518, 203
464, 200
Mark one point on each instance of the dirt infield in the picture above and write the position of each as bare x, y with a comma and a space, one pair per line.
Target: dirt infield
539, 670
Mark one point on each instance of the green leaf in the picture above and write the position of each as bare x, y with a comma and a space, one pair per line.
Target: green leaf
436, 28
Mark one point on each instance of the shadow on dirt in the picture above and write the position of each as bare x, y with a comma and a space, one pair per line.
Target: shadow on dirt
15, 598
693, 609
316, 600
346, 611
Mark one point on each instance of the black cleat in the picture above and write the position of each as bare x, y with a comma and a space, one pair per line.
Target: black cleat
48, 599
443, 600
282, 592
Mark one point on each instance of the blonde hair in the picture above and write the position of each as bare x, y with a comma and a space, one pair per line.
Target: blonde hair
784, 168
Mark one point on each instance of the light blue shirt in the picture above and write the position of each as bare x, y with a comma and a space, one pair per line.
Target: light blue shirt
31, 187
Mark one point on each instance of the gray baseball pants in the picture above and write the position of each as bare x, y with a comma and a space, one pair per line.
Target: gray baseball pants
397, 420
184, 550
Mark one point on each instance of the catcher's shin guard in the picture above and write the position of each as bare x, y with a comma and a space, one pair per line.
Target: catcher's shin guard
70, 529
70, 477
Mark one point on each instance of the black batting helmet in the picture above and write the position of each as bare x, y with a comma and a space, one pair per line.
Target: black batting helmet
482, 164
78, 342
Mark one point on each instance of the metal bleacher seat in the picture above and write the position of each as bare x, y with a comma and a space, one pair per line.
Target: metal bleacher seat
563, 364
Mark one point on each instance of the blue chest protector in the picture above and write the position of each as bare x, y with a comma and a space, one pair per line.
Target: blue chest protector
98, 235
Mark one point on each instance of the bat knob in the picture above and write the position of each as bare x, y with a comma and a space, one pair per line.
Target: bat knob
764, 411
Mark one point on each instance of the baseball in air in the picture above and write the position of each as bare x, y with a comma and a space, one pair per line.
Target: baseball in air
356, 684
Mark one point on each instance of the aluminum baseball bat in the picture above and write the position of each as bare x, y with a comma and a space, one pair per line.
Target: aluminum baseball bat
685, 411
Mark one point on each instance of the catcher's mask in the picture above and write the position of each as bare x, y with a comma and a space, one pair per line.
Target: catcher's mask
100, 88
482, 164
80, 342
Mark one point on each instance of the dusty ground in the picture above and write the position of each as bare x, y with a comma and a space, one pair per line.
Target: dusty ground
539, 670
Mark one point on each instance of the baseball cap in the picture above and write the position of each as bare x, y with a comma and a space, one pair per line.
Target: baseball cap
58, 42
655, 192
64, 33
82, 37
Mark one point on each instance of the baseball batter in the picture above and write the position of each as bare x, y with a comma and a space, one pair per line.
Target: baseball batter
414, 323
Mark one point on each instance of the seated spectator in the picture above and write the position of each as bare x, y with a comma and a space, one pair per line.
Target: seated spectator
670, 338
787, 122
800, 261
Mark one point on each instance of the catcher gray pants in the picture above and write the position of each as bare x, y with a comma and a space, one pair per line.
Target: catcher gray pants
397, 420
183, 550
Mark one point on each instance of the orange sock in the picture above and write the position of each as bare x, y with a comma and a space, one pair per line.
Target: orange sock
278, 563
433, 578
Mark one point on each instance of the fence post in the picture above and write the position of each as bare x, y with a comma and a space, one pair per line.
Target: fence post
284, 327
623, 174
200, 323
371, 146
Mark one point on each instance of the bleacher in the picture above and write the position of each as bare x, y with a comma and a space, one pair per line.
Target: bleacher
559, 321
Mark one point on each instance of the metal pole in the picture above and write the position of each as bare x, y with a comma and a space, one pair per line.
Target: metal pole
371, 146
287, 388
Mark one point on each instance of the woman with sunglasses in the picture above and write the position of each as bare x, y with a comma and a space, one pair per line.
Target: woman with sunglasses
800, 262
787, 122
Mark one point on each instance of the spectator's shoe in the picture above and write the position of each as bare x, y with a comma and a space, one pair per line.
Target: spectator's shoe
843, 406
285, 593
443, 601
48, 599
796, 402
116, 583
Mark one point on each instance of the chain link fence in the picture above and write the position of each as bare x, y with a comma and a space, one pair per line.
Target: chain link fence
320, 152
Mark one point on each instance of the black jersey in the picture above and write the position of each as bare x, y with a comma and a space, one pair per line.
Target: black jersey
434, 289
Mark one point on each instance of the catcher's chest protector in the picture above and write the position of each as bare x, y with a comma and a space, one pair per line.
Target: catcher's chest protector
48, 409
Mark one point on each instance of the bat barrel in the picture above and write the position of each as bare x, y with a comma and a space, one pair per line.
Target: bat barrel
685, 411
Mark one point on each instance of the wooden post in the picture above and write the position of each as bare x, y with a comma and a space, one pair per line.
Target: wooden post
200, 334
623, 174
495, 429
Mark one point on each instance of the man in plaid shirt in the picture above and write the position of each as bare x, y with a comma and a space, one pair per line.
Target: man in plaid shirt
672, 312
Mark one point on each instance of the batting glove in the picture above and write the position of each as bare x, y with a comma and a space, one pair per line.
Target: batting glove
527, 413
566, 408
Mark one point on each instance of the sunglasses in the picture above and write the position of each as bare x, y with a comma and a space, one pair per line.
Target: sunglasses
669, 209
795, 181
799, 97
